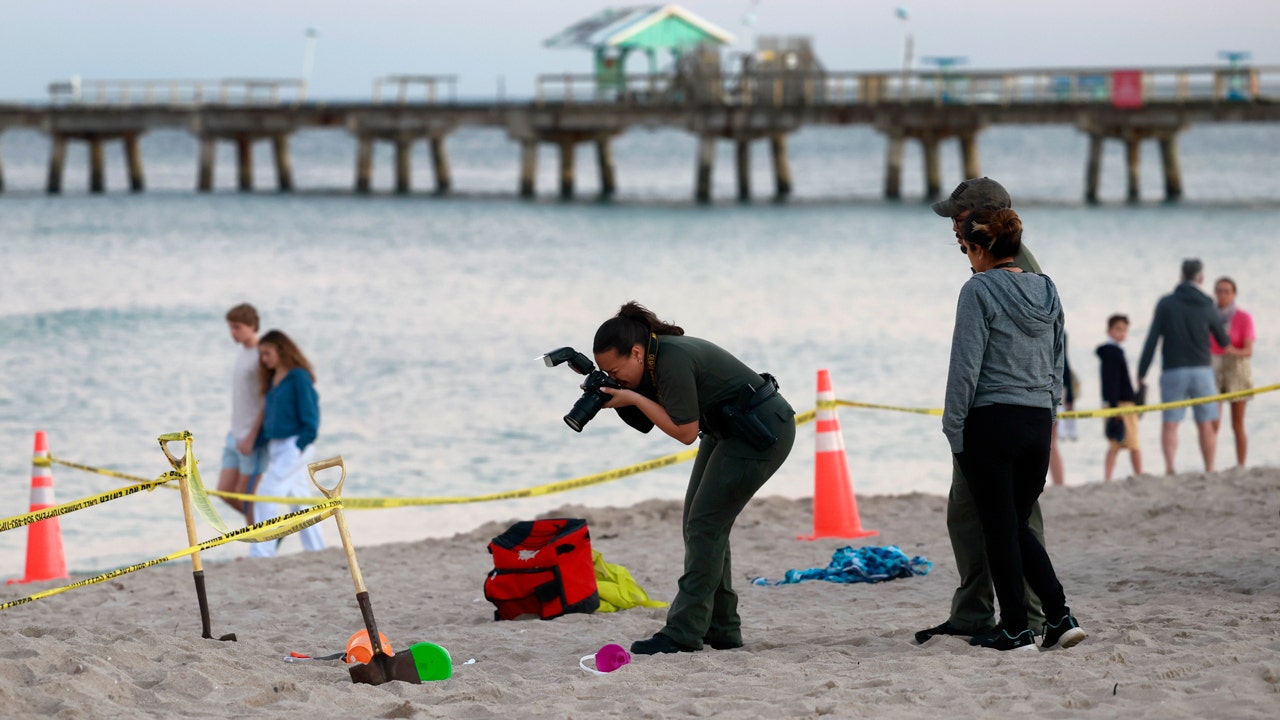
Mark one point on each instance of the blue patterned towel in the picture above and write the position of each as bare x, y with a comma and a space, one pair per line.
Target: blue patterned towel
866, 564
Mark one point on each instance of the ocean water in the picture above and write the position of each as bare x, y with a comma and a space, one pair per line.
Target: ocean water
425, 317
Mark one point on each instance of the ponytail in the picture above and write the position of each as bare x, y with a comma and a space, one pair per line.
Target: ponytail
999, 232
630, 327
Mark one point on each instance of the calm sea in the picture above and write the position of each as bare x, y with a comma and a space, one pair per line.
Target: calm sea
424, 316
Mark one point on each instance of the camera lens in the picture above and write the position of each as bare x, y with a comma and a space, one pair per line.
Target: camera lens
585, 409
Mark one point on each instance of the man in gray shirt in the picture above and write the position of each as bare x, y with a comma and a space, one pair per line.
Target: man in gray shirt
1185, 318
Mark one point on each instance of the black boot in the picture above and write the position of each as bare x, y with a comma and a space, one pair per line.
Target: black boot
659, 644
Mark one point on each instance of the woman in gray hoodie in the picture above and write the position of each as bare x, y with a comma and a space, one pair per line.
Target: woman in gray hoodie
1003, 387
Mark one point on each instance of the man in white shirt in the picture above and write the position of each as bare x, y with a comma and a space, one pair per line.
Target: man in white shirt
241, 463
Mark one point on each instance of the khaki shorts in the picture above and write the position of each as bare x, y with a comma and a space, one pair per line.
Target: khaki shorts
1232, 373
1130, 421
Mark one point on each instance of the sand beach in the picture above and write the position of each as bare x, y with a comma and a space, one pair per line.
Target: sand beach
1174, 578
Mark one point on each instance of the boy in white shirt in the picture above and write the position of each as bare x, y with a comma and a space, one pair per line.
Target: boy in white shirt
241, 463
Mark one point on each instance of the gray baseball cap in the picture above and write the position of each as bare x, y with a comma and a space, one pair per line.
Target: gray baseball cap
973, 194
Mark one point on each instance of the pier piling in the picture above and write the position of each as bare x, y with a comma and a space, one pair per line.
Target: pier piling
208, 156
706, 164
1172, 169
97, 166
284, 165
969, 155
932, 167
744, 170
1093, 169
404, 165
57, 161
133, 161
893, 166
364, 164
1133, 158
781, 166
604, 157
528, 167
1, 174
244, 163
440, 164
566, 168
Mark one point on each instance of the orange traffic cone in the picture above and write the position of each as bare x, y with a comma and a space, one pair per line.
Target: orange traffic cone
45, 560
835, 509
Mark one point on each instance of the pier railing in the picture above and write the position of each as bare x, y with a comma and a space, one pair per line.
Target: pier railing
230, 91
1051, 85
403, 89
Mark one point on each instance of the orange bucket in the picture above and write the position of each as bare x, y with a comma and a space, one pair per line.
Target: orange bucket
360, 650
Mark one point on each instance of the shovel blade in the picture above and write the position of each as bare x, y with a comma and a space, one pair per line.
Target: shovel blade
385, 668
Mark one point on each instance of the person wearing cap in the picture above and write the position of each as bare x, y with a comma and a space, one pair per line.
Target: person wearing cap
1185, 319
973, 603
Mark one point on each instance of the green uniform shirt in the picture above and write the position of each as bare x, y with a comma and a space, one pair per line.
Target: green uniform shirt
695, 375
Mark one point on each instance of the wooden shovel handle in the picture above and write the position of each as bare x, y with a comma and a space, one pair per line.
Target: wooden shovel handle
167, 438
315, 467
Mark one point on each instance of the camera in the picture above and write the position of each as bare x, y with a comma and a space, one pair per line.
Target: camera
592, 399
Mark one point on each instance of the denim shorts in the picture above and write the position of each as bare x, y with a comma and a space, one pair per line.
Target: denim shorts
252, 464
1185, 383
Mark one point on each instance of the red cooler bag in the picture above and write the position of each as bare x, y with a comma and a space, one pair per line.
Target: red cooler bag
542, 567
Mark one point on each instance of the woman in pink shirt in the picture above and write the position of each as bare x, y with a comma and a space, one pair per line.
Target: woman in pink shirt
1231, 364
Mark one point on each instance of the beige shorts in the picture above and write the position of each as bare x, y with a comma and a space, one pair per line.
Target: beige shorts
1232, 374
1130, 421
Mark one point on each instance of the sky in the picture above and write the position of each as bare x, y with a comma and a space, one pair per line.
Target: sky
498, 43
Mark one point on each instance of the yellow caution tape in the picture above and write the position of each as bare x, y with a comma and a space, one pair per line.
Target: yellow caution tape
87, 468
293, 521
547, 489
26, 519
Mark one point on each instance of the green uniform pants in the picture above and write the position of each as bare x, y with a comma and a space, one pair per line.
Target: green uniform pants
973, 605
726, 474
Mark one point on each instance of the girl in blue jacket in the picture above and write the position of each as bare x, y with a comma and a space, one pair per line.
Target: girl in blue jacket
290, 421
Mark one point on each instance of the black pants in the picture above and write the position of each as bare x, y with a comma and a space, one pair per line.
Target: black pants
1005, 459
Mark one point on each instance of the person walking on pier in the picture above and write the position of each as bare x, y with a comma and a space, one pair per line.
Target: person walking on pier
1185, 319
1231, 363
290, 422
241, 463
973, 603
693, 391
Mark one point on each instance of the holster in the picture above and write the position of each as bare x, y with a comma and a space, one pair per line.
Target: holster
741, 418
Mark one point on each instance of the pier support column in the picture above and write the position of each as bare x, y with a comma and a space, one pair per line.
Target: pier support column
744, 170
528, 167
208, 154
969, 155
781, 166
133, 160
440, 163
1172, 169
604, 157
893, 167
97, 166
566, 169
1133, 156
706, 163
932, 168
364, 164
57, 161
1093, 169
1, 174
284, 165
244, 162
404, 165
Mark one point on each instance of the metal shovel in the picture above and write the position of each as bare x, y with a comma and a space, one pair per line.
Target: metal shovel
381, 667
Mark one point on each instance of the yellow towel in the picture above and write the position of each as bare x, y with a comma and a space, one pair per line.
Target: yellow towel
618, 590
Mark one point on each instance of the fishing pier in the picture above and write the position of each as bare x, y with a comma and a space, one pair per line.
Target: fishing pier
1130, 105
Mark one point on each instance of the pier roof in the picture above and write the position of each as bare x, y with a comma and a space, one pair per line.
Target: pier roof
646, 27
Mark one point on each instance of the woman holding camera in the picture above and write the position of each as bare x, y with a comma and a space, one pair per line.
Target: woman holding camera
688, 388
1003, 386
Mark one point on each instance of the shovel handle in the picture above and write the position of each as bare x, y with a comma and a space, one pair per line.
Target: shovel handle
176, 462
315, 467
